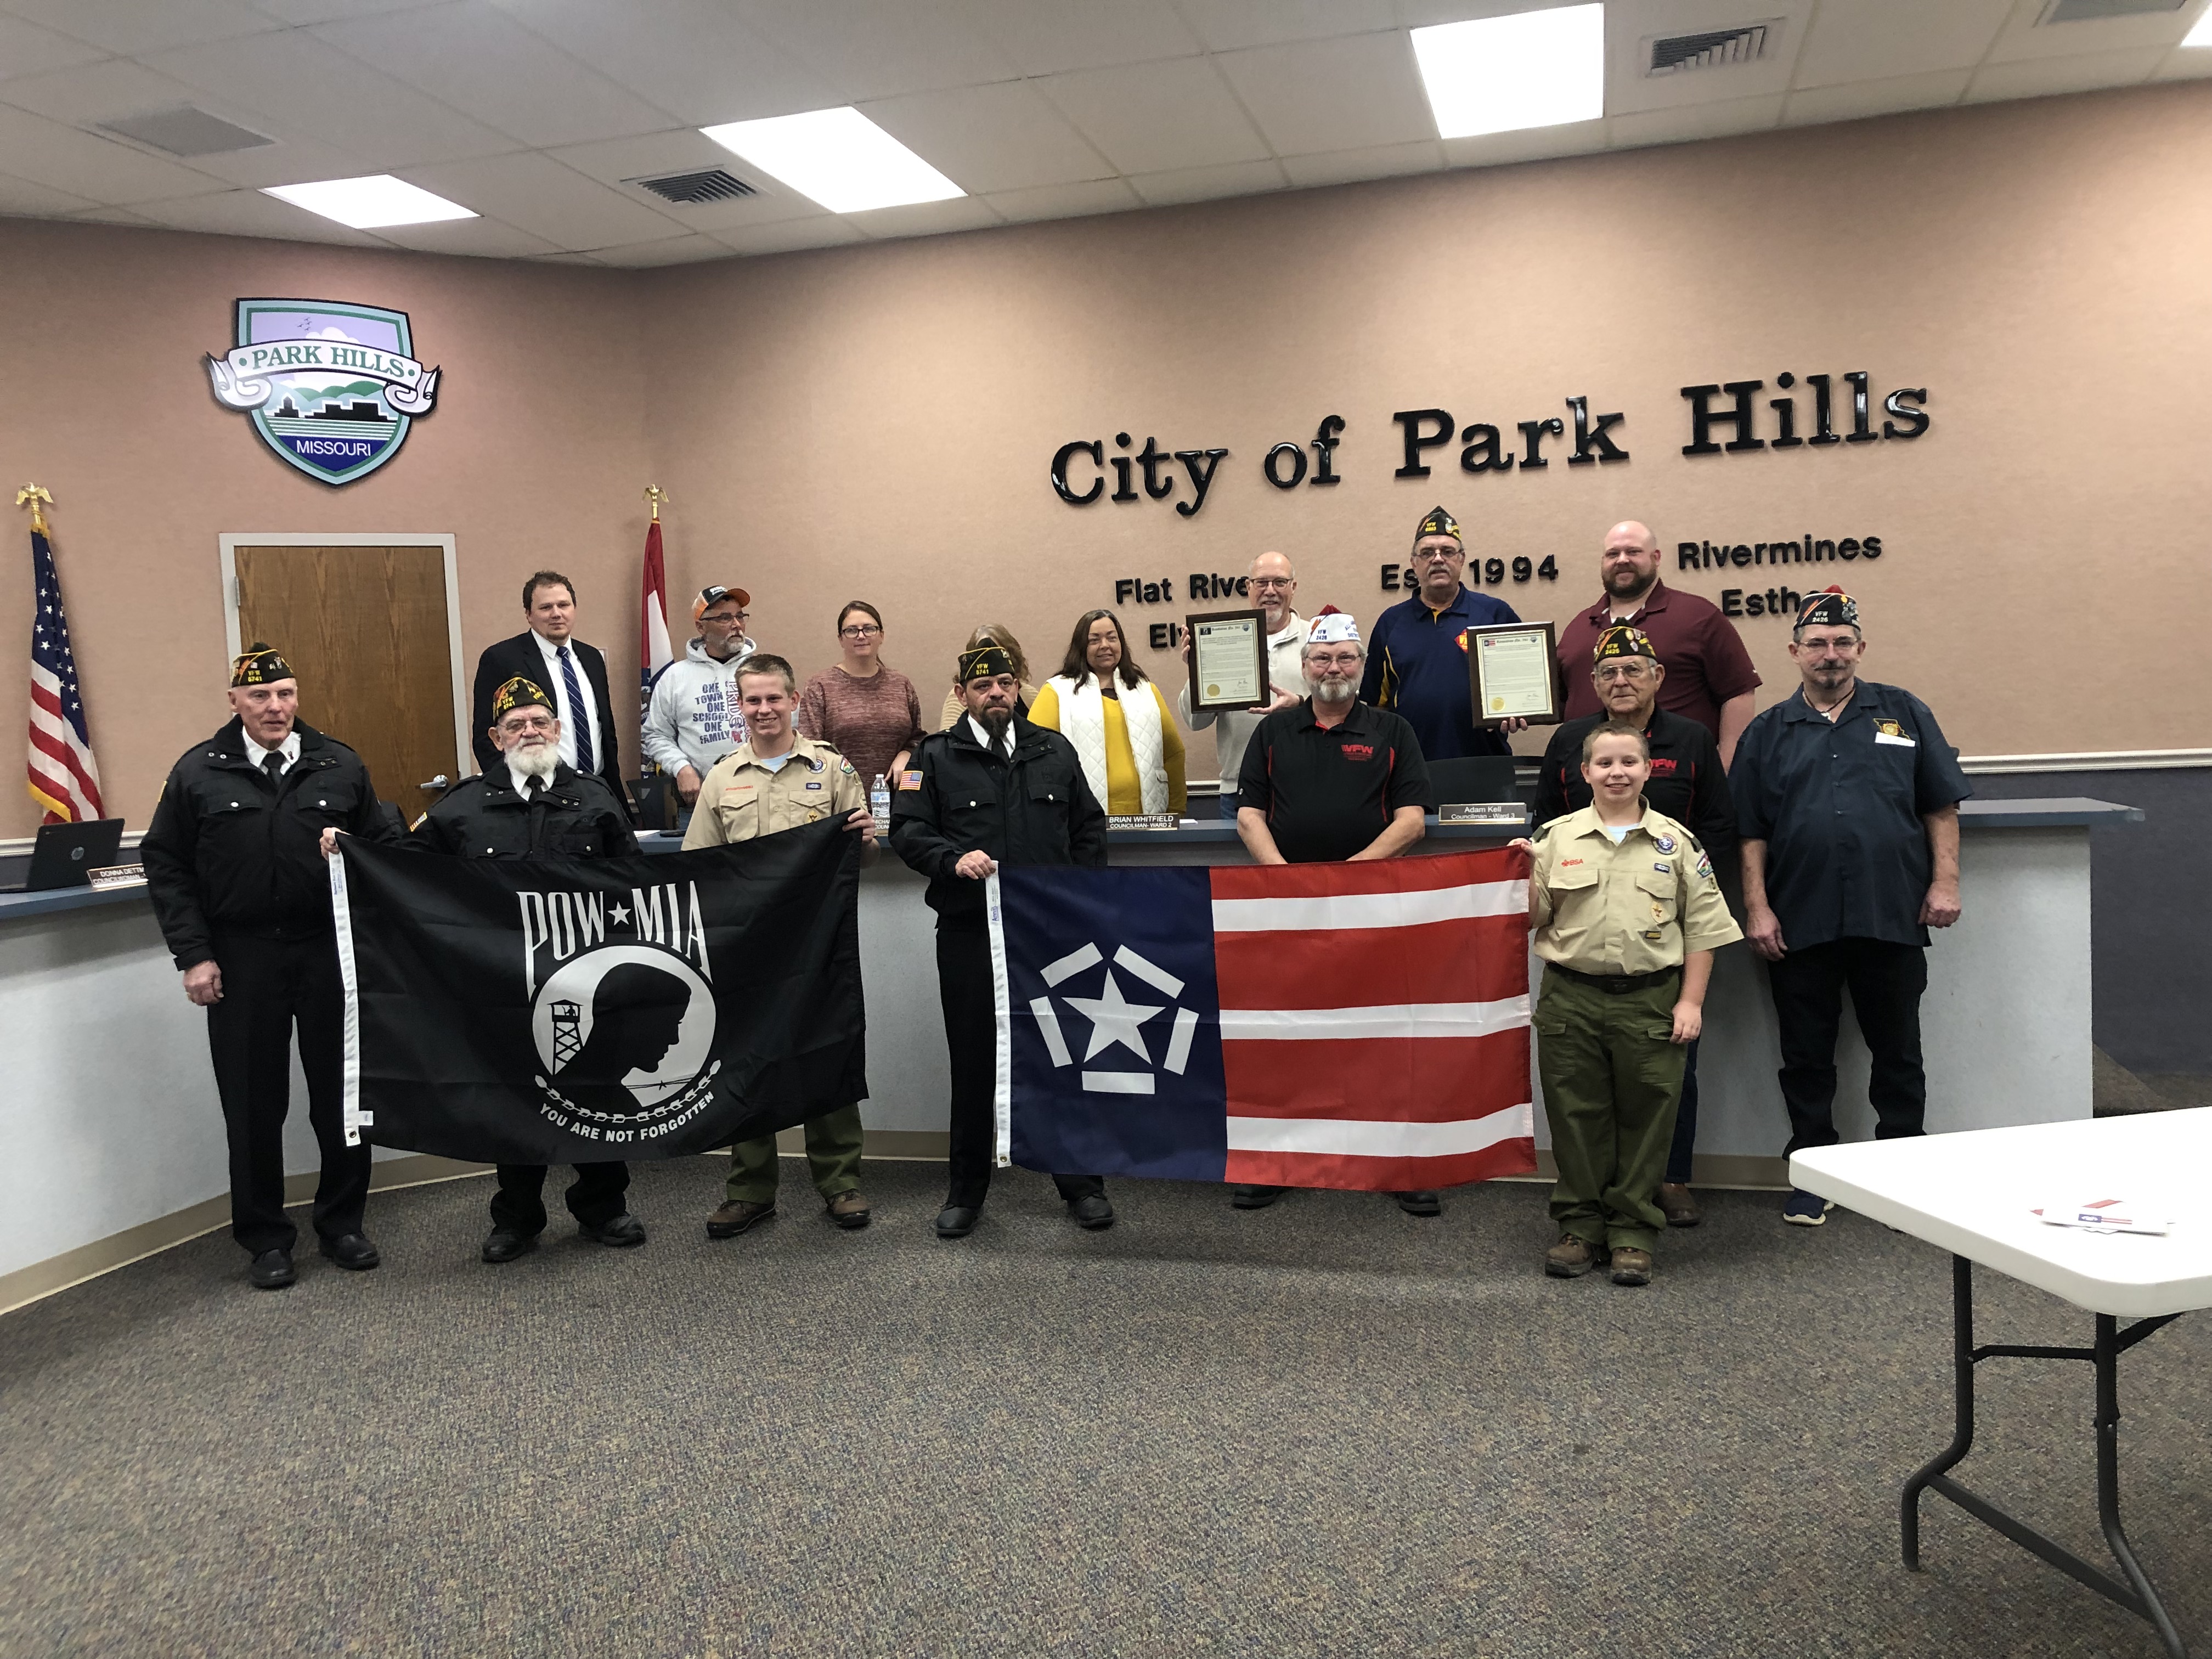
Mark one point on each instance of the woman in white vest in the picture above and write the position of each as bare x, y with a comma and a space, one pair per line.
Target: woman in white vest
1102, 703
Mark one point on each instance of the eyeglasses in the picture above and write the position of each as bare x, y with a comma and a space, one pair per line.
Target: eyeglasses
1334, 660
529, 723
1621, 671
1267, 582
860, 633
724, 618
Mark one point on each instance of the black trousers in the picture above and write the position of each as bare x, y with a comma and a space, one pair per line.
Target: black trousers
1886, 981
269, 986
971, 1038
594, 1197
1686, 1118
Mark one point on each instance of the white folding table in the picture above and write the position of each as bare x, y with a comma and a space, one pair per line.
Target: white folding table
1973, 1194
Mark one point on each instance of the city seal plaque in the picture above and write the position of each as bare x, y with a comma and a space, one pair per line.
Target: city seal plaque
331, 387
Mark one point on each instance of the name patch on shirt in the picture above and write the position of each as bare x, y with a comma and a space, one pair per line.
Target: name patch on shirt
1663, 868
1891, 732
814, 784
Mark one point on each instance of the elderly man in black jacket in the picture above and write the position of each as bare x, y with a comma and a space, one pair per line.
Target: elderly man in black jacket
992, 789
533, 804
245, 904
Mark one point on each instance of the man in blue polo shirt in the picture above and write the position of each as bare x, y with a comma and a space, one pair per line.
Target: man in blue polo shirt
1417, 653
1847, 797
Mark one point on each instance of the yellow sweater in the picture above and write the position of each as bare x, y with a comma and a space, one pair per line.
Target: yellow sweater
1125, 795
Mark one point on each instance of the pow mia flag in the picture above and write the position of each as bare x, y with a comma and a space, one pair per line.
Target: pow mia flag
566, 1011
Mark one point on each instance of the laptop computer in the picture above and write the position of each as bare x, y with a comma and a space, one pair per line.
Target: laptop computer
63, 852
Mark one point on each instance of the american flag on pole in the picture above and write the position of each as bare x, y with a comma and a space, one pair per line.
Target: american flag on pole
1362, 1026
64, 778
652, 652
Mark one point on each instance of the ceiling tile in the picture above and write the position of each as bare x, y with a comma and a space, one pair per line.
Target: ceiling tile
1630, 25
925, 218
312, 90
1153, 118
1064, 201
483, 239
20, 196
283, 163
2024, 36
302, 13
1210, 184
1226, 25
868, 50
136, 26
1049, 37
1349, 94
95, 92
536, 193
690, 58
28, 49
1868, 39
567, 259
249, 212
828, 231
1861, 99
1418, 14
474, 57
98, 169
1529, 144
2037, 77
1346, 167
110, 215
675, 251
614, 160
2191, 63
1676, 126
1004, 137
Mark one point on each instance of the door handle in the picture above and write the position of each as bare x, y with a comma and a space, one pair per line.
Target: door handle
441, 782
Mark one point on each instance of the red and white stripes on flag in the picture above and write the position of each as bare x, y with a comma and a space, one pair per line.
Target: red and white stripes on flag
64, 778
1374, 1021
652, 650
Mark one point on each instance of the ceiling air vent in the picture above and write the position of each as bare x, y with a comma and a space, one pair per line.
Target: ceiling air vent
1678, 54
2084, 11
689, 189
187, 131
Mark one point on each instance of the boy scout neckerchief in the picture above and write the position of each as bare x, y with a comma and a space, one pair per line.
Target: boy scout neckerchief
1830, 608
1438, 523
985, 662
259, 665
1622, 641
519, 693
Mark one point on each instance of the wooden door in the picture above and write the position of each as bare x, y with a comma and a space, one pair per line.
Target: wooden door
365, 628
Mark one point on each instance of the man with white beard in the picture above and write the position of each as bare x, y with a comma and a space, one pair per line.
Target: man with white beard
1331, 778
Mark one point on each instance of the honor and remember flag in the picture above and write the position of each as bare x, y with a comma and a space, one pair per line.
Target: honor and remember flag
64, 777
1362, 1026
566, 1010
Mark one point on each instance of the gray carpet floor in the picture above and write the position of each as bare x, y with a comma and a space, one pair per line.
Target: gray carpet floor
1325, 1428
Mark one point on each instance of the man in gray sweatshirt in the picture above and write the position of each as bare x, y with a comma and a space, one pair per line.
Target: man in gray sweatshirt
695, 717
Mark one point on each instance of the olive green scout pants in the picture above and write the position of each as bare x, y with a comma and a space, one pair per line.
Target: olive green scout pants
1611, 1080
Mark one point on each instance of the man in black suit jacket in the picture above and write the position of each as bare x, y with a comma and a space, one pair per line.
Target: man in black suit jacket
547, 655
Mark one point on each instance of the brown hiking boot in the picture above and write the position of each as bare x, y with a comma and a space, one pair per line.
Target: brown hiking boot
736, 1216
1677, 1205
849, 1209
1572, 1257
1631, 1266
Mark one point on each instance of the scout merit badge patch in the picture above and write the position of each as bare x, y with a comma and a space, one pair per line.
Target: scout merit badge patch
331, 387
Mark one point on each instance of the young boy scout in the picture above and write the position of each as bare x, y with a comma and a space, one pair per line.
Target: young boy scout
777, 780
1627, 916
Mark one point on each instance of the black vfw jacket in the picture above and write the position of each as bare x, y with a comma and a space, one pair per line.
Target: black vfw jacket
487, 818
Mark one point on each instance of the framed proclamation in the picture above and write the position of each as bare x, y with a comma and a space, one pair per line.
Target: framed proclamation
1229, 659
1515, 673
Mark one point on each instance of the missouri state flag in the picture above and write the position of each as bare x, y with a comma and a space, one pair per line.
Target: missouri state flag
1362, 1026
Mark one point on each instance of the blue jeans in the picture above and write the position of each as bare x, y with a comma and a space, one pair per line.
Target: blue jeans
1228, 806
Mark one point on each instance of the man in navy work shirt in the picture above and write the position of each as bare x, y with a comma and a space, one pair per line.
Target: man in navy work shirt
1330, 779
1847, 797
1416, 654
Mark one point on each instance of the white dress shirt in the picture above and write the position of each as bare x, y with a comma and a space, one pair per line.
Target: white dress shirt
983, 736
289, 749
557, 689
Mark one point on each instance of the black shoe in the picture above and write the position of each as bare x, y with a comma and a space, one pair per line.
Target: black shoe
504, 1244
272, 1270
957, 1220
1091, 1212
352, 1252
619, 1232
1254, 1197
1420, 1203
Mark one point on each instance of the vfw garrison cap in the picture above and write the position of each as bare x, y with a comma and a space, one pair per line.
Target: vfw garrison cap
259, 665
520, 693
1830, 608
1622, 641
985, 662
1438, 523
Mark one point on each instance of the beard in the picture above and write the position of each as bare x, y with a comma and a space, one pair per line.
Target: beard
539, 760
1629, 583
995, 722
1332, 689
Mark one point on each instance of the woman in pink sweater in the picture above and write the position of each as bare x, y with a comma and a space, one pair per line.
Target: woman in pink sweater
867, 712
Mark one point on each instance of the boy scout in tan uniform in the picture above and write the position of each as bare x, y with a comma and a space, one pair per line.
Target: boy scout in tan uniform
1626, 915
776, 780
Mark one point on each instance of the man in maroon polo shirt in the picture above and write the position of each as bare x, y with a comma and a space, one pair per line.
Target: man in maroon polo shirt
1709, 677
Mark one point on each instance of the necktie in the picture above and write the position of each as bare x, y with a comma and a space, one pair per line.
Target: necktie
273, 764
579, 714
533, 791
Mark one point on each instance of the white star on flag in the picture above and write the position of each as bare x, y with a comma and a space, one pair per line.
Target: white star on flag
1114, 1020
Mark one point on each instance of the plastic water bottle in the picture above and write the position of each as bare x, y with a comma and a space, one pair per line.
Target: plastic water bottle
879, 804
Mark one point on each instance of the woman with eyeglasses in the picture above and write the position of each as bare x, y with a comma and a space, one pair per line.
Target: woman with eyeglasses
867, 712
999, 634
1123, 733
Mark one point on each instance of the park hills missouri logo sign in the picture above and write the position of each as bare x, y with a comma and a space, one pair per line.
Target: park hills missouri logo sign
331, 387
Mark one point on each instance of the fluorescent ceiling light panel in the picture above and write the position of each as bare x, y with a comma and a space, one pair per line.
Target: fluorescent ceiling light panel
2201, 34
837, 157
1534, 69
366, 203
